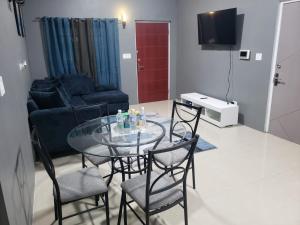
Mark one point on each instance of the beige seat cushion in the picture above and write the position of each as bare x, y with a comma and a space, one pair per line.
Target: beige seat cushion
136, 189
80, 184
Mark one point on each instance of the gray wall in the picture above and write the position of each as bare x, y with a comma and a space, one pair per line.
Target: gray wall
16, 160
135, 9
205, 70
195, 68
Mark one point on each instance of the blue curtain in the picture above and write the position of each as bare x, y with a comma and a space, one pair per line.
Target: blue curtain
106, 41
58, 45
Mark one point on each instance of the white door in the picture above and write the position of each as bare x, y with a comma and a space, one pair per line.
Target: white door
285, 109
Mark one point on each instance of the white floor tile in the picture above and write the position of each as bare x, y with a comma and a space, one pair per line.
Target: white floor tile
252, 178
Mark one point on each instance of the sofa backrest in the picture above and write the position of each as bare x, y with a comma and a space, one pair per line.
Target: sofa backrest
76, 85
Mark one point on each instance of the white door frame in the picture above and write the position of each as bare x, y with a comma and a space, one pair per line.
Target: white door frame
274, 61
169, 53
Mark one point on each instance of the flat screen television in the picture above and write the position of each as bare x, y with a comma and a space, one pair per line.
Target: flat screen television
218, 27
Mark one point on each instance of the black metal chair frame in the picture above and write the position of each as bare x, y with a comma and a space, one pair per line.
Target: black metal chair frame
193, 130
102, 113
48, 164
191, 144
126, 162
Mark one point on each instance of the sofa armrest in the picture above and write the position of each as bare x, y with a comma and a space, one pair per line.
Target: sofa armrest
54, 125
31, 106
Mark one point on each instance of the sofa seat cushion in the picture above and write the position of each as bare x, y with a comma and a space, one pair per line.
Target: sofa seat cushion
47, 100
77, 101
78, 84
106, 96
114, 107
105, 88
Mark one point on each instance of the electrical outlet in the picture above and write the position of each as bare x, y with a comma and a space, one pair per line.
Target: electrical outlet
2, 88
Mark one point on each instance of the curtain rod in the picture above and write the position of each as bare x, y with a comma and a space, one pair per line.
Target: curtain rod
38, 19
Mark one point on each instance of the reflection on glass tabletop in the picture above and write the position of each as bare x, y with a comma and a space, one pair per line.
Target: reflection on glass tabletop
102, 137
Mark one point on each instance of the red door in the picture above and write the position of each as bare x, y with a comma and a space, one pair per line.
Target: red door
152, 41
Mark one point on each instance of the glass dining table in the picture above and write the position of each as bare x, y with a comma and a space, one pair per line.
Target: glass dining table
101, 137
126, 148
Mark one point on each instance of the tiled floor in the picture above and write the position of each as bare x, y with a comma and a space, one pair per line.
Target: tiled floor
252, 178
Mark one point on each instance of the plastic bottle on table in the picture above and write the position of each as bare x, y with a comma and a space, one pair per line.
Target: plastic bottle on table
143, 117
120, 119
133, 119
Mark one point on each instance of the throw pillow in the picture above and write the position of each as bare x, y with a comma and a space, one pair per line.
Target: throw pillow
46, 100
44, 85
78, 85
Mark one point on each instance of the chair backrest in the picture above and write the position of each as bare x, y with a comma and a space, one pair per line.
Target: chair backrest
194, 118
176, 168
48, 164
101, 110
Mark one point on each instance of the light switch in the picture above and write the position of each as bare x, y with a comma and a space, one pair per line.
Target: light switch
126, 56
258, 56
2, 89
23, 65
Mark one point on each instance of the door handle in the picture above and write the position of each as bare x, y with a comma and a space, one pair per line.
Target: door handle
277, 80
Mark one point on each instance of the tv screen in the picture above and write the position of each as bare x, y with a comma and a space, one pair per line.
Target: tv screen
217, 27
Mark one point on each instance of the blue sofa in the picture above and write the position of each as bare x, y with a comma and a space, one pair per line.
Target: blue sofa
52, 103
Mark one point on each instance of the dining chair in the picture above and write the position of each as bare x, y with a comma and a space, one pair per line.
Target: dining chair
81, 115
156, 191
168, 158
74, 186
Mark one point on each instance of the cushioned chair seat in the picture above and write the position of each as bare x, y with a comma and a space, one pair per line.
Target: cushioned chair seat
136, 189
80, 184
97, 160
93, 152
171, 158
102, 150
114, 96
165, 143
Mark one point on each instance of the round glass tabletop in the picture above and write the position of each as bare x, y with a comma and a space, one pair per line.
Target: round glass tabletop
102, 137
